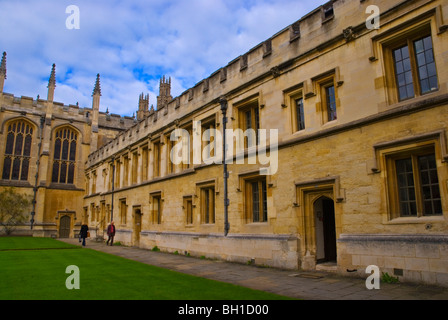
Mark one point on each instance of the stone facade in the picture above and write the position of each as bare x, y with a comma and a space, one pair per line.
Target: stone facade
361, 176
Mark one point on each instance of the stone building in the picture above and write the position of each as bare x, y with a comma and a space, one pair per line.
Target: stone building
354, 122
44, 146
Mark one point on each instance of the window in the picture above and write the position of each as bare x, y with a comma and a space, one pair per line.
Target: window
18, 151
415, 60
409, 62
125, 170
250, 124
414, 187
188, 209
208, 205
170, 167
299, 115
117, 174
156, 208
208, 139
145, 163
330, 101
123, 211
256, 200
293, 99
134, 171
327, 12
327, 91
187, 150
64, 156
157, 159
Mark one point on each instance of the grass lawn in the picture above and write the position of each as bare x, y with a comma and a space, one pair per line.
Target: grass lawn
34, 269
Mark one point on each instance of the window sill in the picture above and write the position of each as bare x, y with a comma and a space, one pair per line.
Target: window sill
416, 220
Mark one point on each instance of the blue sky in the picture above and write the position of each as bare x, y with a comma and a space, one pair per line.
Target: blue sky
131, 44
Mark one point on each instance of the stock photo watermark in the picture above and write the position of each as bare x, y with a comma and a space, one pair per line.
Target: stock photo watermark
73, 20
373, 21
260, 146
72, 281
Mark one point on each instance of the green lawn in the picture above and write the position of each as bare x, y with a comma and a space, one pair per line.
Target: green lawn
34, 268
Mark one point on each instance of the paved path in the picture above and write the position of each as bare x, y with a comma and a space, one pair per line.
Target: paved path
291, 283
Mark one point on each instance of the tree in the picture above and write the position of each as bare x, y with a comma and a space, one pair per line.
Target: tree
12, 209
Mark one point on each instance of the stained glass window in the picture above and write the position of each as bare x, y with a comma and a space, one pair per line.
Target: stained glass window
64, 156
17, 151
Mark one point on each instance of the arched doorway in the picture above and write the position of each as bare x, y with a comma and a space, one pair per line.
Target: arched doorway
64, 227
325, 230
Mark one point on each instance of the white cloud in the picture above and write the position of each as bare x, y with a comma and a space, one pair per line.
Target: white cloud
131, 44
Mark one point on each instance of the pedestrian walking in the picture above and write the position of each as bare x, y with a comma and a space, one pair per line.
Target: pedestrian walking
83, 234
110, 233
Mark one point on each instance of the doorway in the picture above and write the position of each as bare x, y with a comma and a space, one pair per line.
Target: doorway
137, 226
64, 227
325, 230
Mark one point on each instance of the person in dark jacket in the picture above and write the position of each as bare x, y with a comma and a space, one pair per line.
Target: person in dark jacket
110, 233
83, 234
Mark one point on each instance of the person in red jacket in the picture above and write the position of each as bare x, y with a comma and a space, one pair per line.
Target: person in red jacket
110, 233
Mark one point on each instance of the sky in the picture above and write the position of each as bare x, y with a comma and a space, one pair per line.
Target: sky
131, 44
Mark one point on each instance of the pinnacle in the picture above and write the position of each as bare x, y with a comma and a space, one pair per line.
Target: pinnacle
97, 89
52, 80
3, 65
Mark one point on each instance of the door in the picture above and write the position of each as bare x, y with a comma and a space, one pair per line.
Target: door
325, 229
329, 227
64, 227
137, 226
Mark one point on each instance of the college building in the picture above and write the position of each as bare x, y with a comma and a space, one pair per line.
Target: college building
342, 160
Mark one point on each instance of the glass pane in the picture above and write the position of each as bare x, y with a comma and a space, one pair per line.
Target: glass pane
406, 190
71, 172
403, 73
27, 147
57, 149
15, 169
425, 63
9, 143
6, 168
64, 155
429, 184
300, 115
255, 202
55, 173
419, 46
265, 202
63, 174
19, 144
73, 151
25, 166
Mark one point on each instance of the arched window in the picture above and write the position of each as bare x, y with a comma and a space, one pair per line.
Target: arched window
64, 156
16, 161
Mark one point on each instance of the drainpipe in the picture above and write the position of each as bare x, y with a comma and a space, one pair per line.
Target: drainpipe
223, 103
33, 213
113, 187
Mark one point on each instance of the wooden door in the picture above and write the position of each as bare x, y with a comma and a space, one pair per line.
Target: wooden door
64, 227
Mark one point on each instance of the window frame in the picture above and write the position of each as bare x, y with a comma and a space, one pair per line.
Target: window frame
208, 209
325, 83
123, 211
263, 214
409, 41
156, 213
254, 107
188, 210
397, 39
413, 152
157, 158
